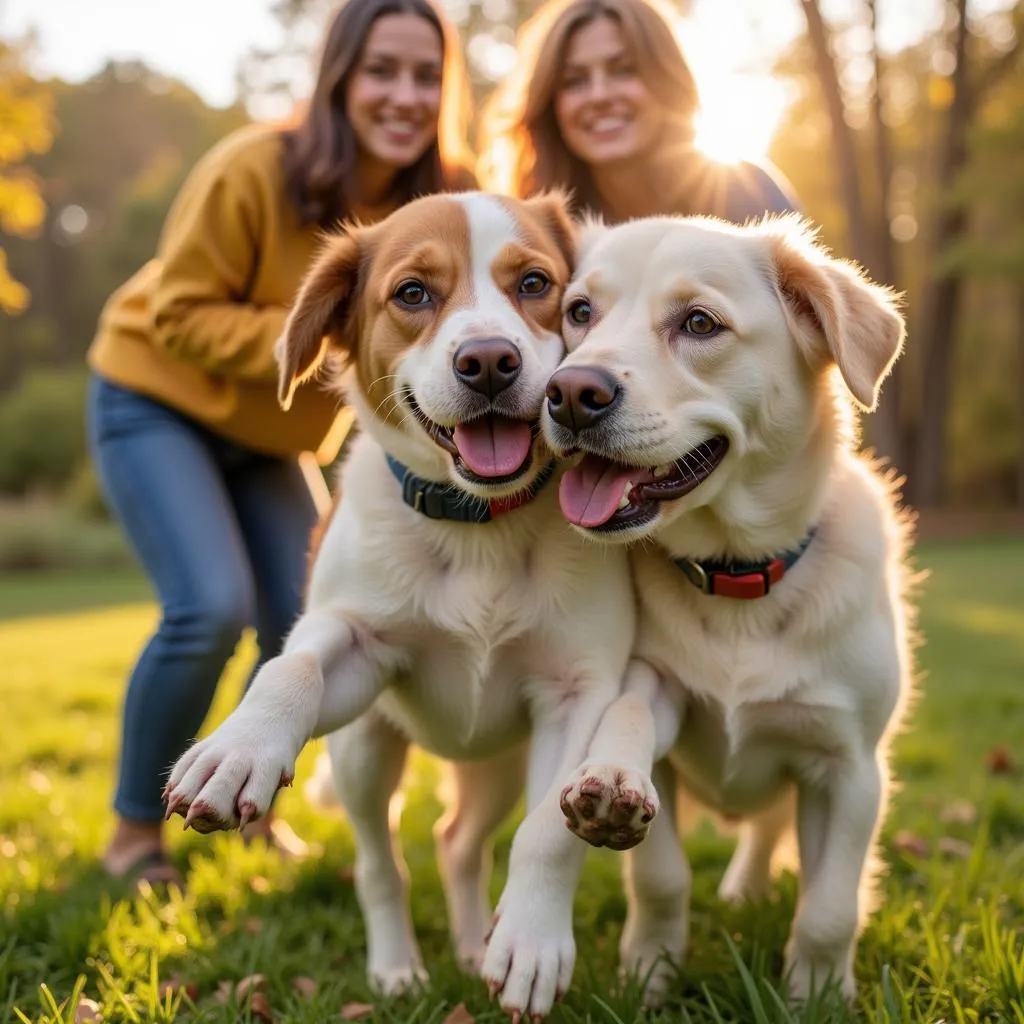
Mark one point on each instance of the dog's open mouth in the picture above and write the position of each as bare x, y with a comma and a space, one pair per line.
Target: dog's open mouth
603, 495
489, 449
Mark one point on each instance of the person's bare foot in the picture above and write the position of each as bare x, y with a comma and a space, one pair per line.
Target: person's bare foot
136, 853
278, 835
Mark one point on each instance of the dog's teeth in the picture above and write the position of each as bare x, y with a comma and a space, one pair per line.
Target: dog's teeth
662, 471
624, 500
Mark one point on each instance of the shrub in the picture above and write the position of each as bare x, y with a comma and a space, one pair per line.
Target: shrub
39, 534
42, 431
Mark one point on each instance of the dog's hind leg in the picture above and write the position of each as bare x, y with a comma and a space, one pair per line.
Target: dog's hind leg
485, 793
837, 825
657, 883
367, 759
749, 874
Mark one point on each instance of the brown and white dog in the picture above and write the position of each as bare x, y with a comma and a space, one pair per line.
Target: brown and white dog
710, 383
449, 604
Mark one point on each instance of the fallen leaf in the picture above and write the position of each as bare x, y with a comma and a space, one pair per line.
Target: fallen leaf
952, 847
908, 842
259, 884
252, 925
307, 986
259, 1006
173, 985
224, 992
960, 812
252, 983
999, 761
87, 1009
460, 1015
356, 1011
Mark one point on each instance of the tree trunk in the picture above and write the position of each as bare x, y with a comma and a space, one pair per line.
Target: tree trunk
843, 149
1020, 399
884, 428
941, 302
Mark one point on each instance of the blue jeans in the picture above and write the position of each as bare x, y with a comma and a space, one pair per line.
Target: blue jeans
222, 533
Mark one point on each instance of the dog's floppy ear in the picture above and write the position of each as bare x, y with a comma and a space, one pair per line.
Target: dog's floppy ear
552, 210
320, 317
836, 313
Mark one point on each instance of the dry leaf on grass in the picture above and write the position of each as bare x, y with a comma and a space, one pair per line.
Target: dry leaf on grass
87, 1009
307, 986
909, 842
252, 983
173, 985
259, 1006
252, 925
460, 1015
356, 1011
959, 812
955, 847
1000, 761
224, 991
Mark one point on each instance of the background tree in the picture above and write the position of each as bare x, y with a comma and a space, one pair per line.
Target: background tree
26, 128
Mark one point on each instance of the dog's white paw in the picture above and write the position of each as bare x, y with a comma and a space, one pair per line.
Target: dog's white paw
653, 951
608, 805
393, 981
230, 778
811, 970
530, 953
745, 883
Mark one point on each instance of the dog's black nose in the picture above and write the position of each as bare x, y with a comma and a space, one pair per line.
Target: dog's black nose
578, 396
487, 365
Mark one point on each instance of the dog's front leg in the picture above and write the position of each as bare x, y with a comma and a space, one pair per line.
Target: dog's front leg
837, 820
531, 951
610, 800
230, 778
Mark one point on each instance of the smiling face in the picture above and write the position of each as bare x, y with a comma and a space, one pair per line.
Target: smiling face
696, 357
603, 108
450, 309
394, 93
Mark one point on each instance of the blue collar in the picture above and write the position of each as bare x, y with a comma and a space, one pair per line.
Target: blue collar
445, 501
742, 579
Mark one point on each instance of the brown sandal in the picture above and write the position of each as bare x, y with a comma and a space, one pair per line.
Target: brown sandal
154, 869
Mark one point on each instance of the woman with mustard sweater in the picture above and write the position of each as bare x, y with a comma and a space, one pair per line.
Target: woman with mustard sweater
198, 461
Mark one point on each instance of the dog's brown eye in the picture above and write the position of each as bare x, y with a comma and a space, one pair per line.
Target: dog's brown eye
534, 283
412, 294
700, 323
579, 312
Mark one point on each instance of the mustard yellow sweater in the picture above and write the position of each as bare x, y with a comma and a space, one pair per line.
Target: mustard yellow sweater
195, 328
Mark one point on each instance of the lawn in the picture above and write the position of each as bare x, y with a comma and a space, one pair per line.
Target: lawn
946, 944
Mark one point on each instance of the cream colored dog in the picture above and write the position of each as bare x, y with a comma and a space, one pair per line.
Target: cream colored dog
450, 605
709, 386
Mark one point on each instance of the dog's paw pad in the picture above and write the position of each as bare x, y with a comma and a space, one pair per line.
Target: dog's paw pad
609, 806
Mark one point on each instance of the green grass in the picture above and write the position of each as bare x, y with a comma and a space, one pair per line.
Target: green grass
945, 945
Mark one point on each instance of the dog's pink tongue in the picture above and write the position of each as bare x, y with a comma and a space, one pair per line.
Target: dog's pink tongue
493, 445
590, 492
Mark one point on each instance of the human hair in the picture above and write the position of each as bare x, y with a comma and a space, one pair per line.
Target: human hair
523, 151
320, 150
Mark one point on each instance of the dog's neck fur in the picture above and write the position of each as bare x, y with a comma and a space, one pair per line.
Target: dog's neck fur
774, 497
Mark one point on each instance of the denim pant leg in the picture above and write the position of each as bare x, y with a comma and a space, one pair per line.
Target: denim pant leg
162, 478
276, 514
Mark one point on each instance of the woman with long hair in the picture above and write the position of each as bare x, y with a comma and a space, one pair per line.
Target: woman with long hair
603, 103
198, 461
